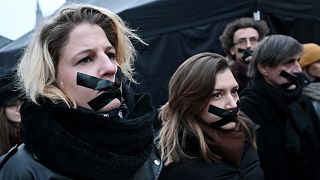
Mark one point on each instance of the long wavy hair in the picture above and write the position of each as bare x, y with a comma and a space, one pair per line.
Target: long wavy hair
190, 90
38, 65
9, 130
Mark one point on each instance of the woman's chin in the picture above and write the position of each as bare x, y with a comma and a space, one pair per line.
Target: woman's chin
229, 126
114, 104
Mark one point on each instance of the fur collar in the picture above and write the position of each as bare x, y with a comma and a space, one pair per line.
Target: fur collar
83, 144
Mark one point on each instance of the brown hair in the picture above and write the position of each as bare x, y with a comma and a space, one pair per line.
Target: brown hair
190, 90
9, 131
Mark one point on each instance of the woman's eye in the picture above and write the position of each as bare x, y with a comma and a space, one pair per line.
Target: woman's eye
235, 92
111, 55
85, 60
216, 95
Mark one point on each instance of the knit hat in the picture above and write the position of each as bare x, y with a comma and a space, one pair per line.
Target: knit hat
8, 92
310, 55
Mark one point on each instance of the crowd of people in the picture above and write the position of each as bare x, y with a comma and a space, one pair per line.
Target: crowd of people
67, 110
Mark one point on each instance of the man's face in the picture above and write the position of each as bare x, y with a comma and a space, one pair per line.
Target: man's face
313, 70
246, 38
272, 75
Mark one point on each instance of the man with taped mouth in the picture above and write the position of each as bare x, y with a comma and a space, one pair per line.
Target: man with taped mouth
238, 40
81, 120
289, 135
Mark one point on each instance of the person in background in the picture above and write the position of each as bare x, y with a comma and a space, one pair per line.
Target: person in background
288, 138
80, 119
203, 134
10, 120
238, 40
310, 64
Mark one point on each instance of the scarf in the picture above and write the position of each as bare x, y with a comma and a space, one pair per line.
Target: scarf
83, 144
228, 144
301, 136
286, 102
241, 70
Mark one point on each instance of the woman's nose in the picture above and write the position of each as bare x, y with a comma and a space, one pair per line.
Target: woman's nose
107, 67
231, 102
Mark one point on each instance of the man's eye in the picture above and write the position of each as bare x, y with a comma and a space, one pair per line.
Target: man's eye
241, 41
291, 61
253, 39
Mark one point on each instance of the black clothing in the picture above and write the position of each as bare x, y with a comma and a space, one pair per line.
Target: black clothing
8, 92
312, 91
82, 144
196, 168
289, 135
240, 73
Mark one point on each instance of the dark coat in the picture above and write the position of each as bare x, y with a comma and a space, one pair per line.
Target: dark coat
240, 73
21, 158
288, 137
64, 143
199, 169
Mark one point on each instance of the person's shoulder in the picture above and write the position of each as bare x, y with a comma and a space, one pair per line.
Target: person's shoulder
21, 164
151, 169
250, 167
16, 164
172, 171
248, 96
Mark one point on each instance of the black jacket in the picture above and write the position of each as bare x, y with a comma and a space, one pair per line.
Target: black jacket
199, 169
64, 143
21, 158
288, 137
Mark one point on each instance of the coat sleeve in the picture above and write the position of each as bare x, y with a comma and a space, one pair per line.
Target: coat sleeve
14, 165
21, 165
151, 168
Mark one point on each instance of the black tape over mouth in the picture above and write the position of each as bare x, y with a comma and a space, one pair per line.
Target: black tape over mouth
110, 89
300, 78
226, 115
246, 53
93, 82
105, 98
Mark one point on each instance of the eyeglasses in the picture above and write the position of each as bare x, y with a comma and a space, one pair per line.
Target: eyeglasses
244, 41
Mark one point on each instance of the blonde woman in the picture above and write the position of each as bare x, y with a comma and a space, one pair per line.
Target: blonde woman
203, 136
81, 120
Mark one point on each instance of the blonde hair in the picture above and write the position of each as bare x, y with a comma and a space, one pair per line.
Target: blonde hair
190, 90
37, 67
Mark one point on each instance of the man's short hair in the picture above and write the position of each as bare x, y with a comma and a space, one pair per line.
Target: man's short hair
272, 51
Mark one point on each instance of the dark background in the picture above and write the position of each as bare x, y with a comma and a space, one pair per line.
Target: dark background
178, 29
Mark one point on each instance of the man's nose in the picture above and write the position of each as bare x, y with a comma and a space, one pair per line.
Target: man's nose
248, 43
296, 68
